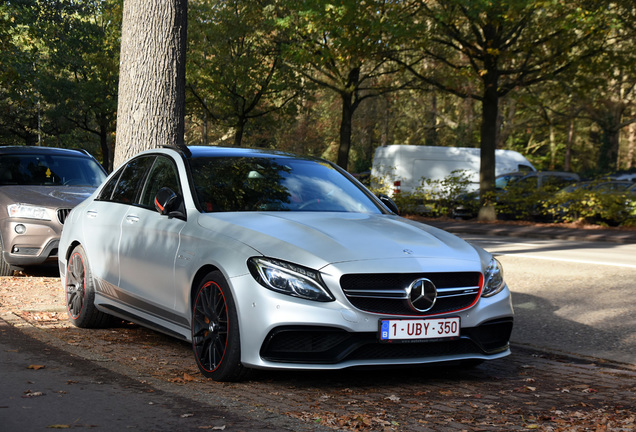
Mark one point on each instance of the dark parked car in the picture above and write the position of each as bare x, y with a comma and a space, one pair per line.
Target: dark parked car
38, 188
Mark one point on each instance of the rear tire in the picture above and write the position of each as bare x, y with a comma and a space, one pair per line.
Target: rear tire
215, 331
80, 293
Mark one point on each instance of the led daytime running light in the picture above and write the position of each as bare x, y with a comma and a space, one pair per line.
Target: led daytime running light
289, 279
494, 279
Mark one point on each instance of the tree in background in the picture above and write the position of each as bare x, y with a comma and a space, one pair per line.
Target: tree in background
59, 65
59, 73
151, 105
343, 47
81, 66
235, 70
608, 85
20, 101
496, 48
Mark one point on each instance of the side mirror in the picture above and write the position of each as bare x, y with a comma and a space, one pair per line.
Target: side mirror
166, 201
389, 203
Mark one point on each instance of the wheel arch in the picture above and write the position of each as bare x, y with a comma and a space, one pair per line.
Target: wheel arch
196, 280
70, 249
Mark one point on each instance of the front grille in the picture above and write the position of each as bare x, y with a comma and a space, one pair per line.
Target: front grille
385, 293
62, 214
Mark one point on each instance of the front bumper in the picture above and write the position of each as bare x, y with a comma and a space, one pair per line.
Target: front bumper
38, 245
282, 332
332, 346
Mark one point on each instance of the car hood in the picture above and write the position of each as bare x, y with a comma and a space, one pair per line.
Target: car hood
319, 239
45, 196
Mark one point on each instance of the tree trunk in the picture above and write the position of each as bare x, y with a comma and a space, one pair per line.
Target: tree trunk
568, 148
431, 136
609, 149
151, 100
490, 112
103, 142
553, 146
345, 130
240, 130
631, 141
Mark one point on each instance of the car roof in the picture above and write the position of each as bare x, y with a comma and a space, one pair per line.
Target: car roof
53, 151
202, 151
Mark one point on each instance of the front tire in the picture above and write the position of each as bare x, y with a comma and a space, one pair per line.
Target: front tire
215, 331
80, 293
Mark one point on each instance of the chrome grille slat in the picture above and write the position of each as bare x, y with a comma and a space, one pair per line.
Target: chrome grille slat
62, 214
401, 294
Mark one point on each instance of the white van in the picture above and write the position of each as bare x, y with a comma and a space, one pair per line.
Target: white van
404, 166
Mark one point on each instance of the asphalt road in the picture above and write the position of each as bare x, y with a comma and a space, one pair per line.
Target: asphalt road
44, 388
573, 297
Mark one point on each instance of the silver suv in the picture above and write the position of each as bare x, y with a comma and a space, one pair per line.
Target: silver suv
38, 188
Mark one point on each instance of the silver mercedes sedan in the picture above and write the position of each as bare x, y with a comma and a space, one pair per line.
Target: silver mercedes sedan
264, 259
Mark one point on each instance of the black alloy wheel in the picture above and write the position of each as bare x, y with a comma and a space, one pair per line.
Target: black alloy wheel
80, 293
215, 333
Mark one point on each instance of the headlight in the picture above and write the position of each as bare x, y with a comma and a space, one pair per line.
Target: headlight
27, 212
290, 279
493, 279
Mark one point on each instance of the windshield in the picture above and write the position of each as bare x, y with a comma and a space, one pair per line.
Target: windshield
275, 184
47, 170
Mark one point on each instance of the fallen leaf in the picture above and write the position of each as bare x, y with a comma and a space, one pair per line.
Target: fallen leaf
36, 367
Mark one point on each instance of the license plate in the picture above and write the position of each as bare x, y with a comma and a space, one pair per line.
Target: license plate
419, 329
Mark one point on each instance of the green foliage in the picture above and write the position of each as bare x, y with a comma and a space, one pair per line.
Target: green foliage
591, 206
279, 73
441, 197
235, 71
433, 198
58, 85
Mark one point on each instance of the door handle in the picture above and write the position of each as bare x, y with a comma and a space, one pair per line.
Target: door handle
132, 219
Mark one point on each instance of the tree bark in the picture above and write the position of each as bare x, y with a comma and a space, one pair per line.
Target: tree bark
103, 142
631, 141
490, 112
345, 130
240, 130
568, 148
151, 100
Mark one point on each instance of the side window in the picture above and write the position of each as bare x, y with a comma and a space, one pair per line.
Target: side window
162, 174
131, 180
107, 191
527, 183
